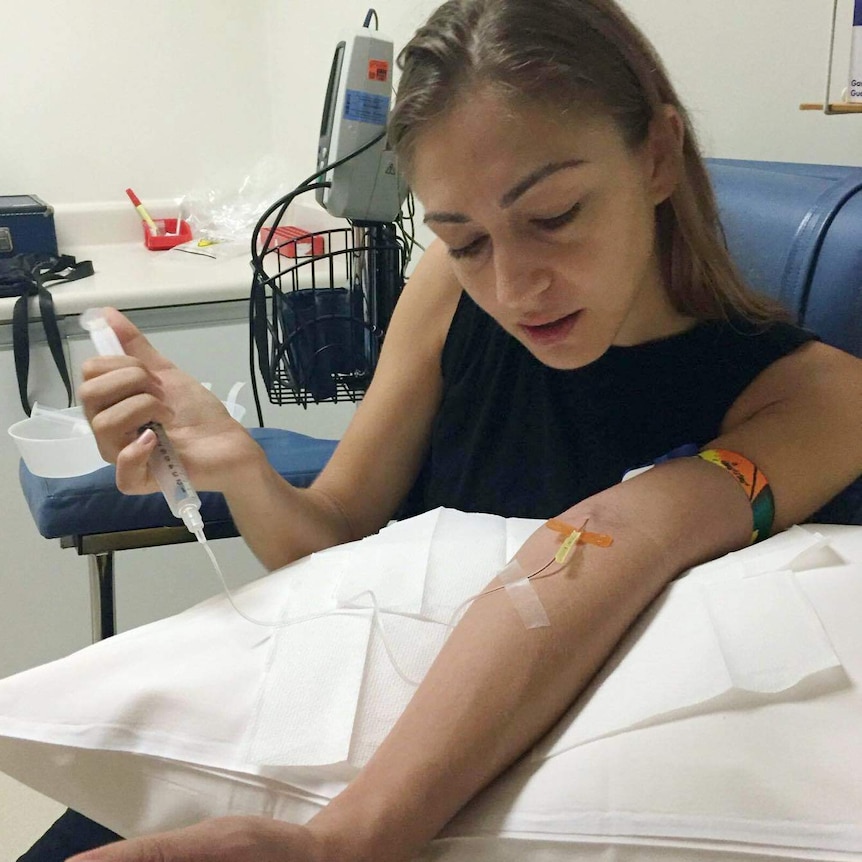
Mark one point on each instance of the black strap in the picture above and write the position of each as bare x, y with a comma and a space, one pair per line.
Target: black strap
21, 348
48, 271
55, 342
259, 320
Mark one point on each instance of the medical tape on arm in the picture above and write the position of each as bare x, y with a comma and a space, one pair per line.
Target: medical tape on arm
517, 582
523, 595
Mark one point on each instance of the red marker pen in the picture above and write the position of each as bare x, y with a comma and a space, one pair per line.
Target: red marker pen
142, 212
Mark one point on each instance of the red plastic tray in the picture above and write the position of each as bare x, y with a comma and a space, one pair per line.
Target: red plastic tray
166, 238
293, 241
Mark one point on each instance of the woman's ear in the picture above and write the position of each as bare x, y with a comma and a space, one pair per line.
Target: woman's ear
664, 149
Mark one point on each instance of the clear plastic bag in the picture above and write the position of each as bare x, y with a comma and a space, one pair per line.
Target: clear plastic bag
223, 214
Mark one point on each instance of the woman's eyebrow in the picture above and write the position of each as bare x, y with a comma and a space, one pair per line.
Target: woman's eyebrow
536, 176
447, 217
510, 196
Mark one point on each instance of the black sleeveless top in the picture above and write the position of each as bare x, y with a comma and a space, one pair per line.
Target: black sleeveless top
516, 438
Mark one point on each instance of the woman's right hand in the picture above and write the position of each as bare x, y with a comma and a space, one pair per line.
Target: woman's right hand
120, 394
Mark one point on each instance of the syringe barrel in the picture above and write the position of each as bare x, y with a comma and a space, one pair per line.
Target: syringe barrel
164, 464
170, 474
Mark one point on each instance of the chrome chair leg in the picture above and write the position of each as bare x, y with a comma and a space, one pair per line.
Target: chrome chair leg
103, 606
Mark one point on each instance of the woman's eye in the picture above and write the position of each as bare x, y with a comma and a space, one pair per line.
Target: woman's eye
469, 250
560, 220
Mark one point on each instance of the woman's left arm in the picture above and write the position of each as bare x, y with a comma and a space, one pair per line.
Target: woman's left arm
497, 687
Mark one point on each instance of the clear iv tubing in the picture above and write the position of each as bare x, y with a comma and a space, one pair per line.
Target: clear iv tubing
344, 609
184, 503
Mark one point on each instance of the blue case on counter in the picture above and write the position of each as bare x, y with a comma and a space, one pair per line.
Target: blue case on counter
26, 225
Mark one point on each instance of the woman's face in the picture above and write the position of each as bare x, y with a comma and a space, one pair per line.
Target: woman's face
550, 224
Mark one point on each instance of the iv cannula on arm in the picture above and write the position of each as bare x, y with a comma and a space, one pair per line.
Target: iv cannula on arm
164, 463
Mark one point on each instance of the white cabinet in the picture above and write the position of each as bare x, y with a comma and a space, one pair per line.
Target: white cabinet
44, 603
44, 590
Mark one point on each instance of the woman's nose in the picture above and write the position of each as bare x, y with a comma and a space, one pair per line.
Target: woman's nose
520, 276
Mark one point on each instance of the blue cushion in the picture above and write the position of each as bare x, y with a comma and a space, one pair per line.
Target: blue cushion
776, 217
87, 504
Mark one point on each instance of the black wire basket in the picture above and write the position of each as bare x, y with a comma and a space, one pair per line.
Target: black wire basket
320, 305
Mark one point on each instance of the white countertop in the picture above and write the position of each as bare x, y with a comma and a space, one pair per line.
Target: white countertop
128, 275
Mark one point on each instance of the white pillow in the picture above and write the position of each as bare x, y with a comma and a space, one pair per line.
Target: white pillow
728, 718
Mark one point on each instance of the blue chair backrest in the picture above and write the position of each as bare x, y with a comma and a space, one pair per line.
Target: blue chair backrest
795, 231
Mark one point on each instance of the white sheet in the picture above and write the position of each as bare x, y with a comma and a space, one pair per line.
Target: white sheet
166, 724
711, 644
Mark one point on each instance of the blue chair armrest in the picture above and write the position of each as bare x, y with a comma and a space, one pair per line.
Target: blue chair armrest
83, 505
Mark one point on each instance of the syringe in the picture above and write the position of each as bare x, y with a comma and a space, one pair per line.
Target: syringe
164, 463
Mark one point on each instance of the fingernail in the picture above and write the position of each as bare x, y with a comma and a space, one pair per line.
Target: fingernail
147, 437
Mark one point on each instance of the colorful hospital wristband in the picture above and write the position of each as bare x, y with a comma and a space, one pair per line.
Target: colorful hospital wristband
755, 485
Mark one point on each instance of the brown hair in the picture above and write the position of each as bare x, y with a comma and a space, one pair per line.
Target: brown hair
566, 53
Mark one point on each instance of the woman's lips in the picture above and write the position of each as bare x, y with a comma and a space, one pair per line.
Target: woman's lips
550, 333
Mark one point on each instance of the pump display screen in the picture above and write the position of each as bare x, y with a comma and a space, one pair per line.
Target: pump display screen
329, 102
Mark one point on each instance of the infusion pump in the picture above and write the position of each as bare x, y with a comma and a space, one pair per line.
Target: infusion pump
366, 187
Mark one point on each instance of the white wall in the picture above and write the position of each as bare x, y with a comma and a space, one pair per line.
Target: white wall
167, 95
99, 95
744, 66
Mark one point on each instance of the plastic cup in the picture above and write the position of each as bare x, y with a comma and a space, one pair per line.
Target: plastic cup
57, 444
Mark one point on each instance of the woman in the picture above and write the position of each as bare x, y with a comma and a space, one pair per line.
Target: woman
578, 317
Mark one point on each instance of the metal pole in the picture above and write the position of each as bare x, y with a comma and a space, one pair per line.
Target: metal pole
826, 107
103, 608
